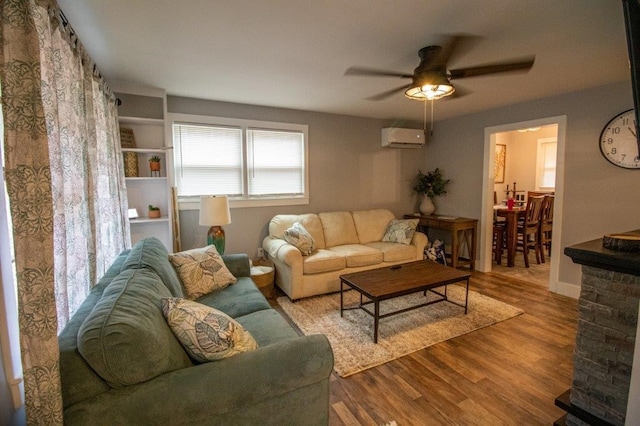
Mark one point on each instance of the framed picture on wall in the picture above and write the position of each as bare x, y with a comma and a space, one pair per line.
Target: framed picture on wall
501, 160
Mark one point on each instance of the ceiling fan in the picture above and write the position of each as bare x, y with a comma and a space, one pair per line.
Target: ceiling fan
432, 79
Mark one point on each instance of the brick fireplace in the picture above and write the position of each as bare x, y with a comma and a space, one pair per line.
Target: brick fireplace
606, 333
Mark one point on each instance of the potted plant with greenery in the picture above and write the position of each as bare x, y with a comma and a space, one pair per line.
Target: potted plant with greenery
154, 212
430, 185
154, 163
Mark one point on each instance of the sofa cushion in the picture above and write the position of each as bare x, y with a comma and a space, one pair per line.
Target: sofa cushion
267, 327
394, 252
338, 229
201, 271
150, 253
323, 261
236, 300
207, 334
310, 221
79, 381
298, 236
358, 255
371, 224
400, 231
125, 338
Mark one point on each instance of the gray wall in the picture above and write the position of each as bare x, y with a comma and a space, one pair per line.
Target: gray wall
348, 170
598, 197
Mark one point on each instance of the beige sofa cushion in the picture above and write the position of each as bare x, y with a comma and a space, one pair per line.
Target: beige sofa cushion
358, 255
323, 261
338, 229
371, 224
310, 222
395, 252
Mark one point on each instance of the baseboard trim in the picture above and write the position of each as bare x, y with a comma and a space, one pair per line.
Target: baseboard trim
566, 289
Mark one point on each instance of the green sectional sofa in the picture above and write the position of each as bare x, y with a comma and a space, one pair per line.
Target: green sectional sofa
130, 368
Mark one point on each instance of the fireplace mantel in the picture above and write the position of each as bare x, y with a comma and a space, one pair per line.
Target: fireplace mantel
592, 253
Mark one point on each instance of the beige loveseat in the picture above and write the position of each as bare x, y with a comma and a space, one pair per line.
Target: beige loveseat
345, 242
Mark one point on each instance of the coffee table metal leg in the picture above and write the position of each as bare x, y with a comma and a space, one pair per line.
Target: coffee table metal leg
466, 298
376, 319
341, 297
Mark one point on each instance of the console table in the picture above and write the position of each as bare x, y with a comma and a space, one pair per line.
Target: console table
462, 229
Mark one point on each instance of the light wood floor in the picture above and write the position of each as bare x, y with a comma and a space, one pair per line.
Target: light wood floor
506, 374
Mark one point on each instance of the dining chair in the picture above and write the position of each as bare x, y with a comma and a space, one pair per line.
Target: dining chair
545, 227
499, 234
538, 193
528, 228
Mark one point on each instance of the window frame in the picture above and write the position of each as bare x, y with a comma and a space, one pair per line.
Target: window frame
193, 202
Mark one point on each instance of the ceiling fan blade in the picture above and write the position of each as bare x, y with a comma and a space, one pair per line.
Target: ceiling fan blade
375, 72
388, 93
522, 65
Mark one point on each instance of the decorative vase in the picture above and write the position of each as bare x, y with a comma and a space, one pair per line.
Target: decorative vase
427, 207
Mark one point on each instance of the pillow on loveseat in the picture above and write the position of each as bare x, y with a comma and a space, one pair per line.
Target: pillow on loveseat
298, 237
400, 231
201, 271
207, 334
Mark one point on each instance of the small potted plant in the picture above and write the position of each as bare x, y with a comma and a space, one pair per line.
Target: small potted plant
430, 185
154, 163
154, 212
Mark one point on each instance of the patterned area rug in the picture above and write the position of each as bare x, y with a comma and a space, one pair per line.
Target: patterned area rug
399, 335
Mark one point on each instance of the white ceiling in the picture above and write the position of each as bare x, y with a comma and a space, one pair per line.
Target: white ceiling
293, 53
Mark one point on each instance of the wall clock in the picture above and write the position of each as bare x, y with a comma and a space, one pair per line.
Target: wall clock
619, 143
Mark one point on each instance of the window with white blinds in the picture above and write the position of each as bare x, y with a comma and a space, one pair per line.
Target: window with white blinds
209, 160
243, 159
276, 163
546, 164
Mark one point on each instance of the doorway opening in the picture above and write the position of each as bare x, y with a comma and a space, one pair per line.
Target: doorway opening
528, 175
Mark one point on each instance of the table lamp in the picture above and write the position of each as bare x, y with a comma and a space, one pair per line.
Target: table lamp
214, 212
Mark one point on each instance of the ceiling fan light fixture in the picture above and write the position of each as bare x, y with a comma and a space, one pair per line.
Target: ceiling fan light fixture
429, 91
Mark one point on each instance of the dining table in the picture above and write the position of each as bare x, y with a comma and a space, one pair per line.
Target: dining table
511, 217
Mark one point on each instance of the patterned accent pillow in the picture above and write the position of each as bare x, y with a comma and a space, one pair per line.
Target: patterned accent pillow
206, 333
400, 231
300, 238
201, 271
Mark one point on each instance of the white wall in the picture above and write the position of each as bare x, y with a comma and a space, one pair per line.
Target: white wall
598, 197
348, 170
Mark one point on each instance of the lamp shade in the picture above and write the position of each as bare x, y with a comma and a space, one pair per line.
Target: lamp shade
214, 210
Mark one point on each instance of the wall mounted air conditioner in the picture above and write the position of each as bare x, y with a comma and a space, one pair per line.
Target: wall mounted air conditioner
394, 137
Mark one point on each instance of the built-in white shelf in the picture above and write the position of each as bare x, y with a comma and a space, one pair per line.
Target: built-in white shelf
144, 190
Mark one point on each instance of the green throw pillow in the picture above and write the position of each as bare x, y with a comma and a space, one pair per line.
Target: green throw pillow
400, 231
201, 271
299, 237
207, 334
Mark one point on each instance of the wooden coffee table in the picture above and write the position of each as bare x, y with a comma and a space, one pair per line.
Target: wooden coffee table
400, 280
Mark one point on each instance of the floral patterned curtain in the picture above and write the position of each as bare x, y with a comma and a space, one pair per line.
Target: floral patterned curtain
65, 184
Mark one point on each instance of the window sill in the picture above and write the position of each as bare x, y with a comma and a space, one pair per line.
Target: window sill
267, 202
